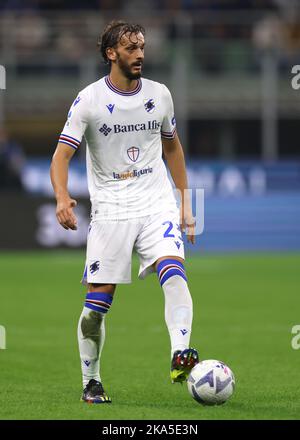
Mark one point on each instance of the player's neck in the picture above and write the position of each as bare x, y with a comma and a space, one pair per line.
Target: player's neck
121, 82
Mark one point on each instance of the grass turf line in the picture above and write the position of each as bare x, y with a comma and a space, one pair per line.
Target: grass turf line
244, 309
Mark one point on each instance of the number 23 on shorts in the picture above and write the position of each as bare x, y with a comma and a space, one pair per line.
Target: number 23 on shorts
170, 229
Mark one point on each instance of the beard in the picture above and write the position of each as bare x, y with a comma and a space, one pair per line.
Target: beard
126, 69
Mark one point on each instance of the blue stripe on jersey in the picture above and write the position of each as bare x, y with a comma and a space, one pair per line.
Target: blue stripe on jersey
74, 139
168, 268
85, 273
172, 136
168, 134
120, 91
67, 143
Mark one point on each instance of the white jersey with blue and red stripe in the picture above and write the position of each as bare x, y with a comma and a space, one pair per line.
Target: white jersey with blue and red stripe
127, 177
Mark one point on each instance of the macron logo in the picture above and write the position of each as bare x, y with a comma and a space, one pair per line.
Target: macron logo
184, 331
111, 107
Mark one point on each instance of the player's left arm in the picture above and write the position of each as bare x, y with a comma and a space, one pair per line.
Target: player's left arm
174, 155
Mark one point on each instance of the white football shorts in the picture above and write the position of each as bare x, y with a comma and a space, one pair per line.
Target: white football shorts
110, 245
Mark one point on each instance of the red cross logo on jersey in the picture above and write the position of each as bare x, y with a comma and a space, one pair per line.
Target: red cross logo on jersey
133, 153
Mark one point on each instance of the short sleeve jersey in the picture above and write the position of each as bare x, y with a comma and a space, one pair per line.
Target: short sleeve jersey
126, 174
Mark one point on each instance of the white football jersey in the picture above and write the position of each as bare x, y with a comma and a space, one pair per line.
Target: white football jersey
127, 177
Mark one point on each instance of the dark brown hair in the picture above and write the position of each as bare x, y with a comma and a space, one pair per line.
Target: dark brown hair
113, 33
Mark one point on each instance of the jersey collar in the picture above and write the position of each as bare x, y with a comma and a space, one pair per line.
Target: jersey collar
123, 92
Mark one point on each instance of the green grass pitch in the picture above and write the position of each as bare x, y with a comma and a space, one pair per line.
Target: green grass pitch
244, 309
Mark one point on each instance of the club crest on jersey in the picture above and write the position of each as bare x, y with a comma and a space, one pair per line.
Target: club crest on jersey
133, 153
149, 105
94, 267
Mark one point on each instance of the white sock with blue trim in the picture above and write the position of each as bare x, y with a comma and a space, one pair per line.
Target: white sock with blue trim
178, 303
91, 334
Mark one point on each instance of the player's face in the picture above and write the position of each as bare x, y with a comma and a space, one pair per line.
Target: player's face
130, 55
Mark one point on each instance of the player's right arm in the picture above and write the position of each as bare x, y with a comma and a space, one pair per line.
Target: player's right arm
69, 142
59, 178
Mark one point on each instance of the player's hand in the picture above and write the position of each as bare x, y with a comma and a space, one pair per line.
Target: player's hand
65, 214
188, 225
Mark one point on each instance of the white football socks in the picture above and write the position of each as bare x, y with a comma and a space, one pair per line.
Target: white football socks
178, 312
91, 336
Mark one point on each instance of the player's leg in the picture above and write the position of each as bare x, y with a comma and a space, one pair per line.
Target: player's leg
91, 337
178, 301
161, 249
178, 314
108, 263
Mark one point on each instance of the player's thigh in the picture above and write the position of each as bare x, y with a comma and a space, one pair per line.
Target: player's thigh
105, 288
109, 253
160, 238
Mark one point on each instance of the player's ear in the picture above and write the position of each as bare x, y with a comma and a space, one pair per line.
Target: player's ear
111, 54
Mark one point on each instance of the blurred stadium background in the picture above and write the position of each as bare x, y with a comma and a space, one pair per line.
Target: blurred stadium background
228, 64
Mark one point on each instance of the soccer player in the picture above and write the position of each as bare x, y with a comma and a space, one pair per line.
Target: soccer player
128, 123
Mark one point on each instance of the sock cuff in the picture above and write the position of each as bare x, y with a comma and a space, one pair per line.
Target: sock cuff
98, 301
168, 268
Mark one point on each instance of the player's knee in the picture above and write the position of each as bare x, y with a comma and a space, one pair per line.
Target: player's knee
99, 297
159, 260
167, 268
98, 301
106, 288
